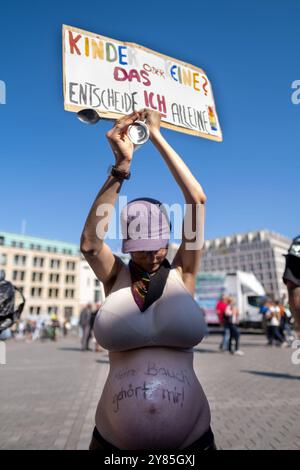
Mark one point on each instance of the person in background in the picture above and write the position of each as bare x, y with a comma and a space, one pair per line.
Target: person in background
264, 310
28, 331
291, 278
85, 324
289, 331
273, 317
220, 308
231, 318
20, 333
282, 318
37, 330
66, 327
54, 326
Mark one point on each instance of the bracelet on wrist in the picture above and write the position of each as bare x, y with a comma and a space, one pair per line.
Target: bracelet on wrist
118, 173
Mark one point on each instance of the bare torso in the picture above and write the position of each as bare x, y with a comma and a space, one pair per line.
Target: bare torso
152, 399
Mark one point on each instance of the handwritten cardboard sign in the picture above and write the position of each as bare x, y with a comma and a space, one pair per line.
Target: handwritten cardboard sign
116, 78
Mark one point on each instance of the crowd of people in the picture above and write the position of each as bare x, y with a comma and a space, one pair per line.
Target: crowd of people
276, 324
47, 326
39, 327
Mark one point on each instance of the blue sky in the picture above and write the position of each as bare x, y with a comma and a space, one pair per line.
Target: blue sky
52, 166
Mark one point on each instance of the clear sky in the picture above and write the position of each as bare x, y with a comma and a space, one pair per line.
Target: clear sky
52, 165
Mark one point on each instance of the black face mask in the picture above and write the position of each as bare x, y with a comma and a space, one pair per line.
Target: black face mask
157, 281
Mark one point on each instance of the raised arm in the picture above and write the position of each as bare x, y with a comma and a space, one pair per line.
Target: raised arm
97, 253
187, 258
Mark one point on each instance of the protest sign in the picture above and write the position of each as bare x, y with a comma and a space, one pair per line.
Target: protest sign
116, 78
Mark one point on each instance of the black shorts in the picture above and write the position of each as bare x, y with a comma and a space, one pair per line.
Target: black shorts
205, 442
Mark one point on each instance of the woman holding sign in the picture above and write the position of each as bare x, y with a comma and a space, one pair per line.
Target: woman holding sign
149, 322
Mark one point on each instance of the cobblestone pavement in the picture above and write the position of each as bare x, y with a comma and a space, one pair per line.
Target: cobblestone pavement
49, 392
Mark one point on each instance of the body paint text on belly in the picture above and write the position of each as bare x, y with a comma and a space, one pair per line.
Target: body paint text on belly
131, 392
172, 396
153, 370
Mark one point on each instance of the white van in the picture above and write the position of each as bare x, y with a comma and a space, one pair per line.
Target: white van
245, 288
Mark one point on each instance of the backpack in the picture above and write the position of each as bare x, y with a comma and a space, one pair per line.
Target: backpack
8, 314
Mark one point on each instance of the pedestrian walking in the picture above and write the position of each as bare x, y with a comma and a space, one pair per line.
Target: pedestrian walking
85, 324
264, 308
54, 326
231, 318
273, 317
220, 308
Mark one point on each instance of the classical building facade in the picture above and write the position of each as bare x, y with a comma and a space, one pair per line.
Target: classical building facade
260, 252
91, 289
49, 273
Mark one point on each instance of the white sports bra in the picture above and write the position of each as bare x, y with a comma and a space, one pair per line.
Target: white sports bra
174, 320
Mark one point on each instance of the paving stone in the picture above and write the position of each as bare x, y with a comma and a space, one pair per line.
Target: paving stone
49, 394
